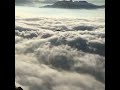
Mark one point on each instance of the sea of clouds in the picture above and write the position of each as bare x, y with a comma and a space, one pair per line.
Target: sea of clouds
60, 53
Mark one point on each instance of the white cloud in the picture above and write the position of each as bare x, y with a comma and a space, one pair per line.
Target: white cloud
60, 54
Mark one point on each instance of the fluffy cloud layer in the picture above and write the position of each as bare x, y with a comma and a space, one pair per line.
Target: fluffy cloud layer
60, 54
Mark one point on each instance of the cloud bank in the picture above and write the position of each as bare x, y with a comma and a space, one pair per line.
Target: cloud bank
60, 54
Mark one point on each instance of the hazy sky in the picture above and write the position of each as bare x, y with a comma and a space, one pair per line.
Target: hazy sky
29, 1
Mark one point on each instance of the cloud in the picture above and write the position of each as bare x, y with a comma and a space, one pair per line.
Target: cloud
60, 54
43, 77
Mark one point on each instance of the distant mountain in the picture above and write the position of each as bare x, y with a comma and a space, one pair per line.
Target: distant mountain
74, 5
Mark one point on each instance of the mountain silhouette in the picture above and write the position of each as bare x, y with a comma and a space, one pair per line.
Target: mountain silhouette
74, 5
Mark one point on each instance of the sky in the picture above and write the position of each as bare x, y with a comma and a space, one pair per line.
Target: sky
31, 1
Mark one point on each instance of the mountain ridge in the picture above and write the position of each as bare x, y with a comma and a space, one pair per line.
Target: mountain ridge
74, 5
